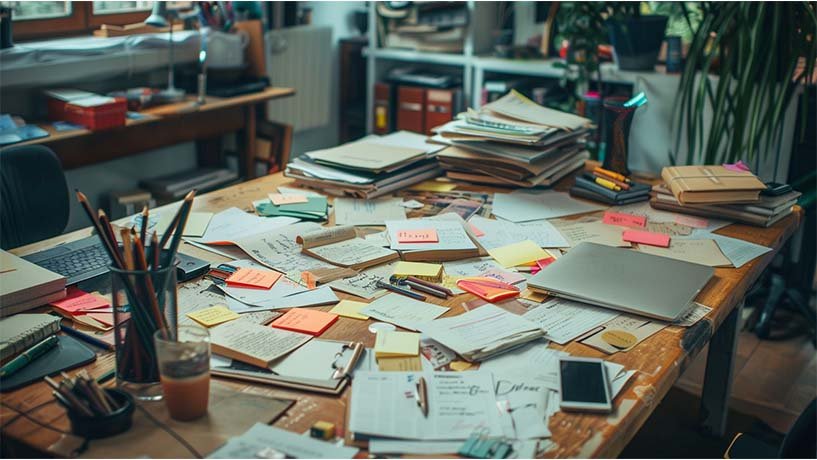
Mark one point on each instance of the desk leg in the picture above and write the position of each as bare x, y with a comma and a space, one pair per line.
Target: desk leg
720, 364
247, 165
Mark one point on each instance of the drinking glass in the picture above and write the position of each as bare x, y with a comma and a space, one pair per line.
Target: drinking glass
184, 366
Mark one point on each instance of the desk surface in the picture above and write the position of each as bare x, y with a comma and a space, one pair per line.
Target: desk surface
660, 359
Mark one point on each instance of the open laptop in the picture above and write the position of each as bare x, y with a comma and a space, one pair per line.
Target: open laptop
77, 261
623, 279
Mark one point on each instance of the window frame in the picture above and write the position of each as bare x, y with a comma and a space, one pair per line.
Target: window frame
81, 21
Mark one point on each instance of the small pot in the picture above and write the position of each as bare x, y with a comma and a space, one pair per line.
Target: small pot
637, 41
108, 425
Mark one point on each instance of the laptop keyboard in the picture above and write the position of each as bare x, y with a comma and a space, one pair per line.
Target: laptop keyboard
77, 262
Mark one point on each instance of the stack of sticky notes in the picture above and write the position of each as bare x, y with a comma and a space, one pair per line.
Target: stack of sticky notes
349, 309
422, 270
398, 351
86, 308
253, 278
213, 316
522, 253
313, 322
299, 206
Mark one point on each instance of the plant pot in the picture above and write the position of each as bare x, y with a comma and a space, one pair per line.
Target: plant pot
637, 41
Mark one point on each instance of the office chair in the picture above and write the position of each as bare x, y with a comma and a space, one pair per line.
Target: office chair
34, 201
799, 442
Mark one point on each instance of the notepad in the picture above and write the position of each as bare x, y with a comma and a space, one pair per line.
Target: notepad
522, 253
349, 309
313, 322
653, 239
420, 235
78, 300
430, 272
394, 344
253, 278
213, 316
400, 364
252, 343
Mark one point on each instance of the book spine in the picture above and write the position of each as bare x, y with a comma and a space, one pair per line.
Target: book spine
675, 186
24, 340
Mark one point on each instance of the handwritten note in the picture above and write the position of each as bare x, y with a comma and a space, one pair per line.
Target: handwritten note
253, 278
625, 220
349, 309
653, 239
213, 316
77, 301
400, 364
278, 199
564, 320
403, 311
423, 235
696, 222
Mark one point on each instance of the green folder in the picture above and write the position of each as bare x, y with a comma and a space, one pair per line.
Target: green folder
314, 209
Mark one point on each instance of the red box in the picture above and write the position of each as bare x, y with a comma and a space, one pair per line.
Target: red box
88, 113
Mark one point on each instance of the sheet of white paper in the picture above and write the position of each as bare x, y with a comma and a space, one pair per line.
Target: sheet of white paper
527, 400
738, 251
407, 139
261, 436
412, 204
278, 249
402, 311
401, 446
307, 298
579, 231
359, 212
450, 233
523, 206
364, 284
498, 233
379, 238
644, 209
695, 313
233, 224
535, 358
460, 403
564, 320
297, 191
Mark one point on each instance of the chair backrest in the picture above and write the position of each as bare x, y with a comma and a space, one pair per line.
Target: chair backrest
801, 440
33, 195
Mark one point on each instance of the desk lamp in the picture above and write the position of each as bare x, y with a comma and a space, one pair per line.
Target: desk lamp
159, 16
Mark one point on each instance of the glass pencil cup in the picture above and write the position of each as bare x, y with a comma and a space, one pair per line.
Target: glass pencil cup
184, 366
144, 301
617, 122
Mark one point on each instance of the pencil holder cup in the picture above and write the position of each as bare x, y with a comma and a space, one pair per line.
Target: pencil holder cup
144, 301
617, 122
98, 427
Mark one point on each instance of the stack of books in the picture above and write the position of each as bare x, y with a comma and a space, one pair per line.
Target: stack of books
609, 188
513, 141
370, 167
762, 213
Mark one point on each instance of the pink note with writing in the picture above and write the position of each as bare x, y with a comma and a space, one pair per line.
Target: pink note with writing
425, 235
690, 221
502, 275
653, 239
477, 232
77, 301
625, 220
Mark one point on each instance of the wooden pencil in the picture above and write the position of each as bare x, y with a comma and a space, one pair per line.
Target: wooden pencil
184, 213
144, 229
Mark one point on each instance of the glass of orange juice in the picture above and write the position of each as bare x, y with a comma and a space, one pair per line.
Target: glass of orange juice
184, 367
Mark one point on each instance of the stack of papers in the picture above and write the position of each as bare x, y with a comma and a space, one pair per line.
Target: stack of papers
513, 141
367, 168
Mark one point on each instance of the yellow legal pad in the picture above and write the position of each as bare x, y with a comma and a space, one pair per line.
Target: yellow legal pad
401, 364
431, 272
349, 309
516, 254
214, 315
392, 344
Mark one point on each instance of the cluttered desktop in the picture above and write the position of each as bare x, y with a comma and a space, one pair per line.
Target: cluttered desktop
358, 302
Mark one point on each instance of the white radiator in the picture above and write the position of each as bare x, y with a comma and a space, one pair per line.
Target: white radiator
301, 58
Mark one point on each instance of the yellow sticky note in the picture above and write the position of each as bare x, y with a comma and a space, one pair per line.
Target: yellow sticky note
516, 254
418, 269
393, 344
434, 186
196, 225
214, 315
401, 364
349, 309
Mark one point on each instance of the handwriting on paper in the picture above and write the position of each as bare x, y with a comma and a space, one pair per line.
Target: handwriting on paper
625, 220
425, 235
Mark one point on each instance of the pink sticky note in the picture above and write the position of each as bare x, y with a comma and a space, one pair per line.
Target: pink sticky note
740, 166
477, 232
696, 222
625, 220
425, 235
77, 301
653, 239
279, 199
502, 275
542, 263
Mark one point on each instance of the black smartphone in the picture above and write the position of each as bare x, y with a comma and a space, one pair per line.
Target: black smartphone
775, 189
189, 267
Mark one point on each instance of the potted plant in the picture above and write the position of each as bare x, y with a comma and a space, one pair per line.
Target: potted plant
763, 55
636, 37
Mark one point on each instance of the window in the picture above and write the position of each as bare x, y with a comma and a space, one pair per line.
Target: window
54, 19
121, 7
24, 11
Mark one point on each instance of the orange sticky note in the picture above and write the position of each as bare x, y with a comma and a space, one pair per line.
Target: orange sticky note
625, 220
278, 199
78, 300
309, 279
425, 235
477, 232
650, 238
253, 278
304, 320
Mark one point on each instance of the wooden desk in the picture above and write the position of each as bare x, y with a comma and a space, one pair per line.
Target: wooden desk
660, 359
167, 125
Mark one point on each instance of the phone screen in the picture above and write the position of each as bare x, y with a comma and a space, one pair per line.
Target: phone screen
583, 382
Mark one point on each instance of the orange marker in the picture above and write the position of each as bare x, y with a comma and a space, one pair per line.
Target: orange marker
611, 174
623, 185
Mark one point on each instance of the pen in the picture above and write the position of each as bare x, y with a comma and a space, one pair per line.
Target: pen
431, 285
607, 184
28, 356
86, 338
421, 395
419, 287
623, 185
396, 289
611, 174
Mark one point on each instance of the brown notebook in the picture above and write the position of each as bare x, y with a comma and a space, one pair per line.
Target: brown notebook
711, 184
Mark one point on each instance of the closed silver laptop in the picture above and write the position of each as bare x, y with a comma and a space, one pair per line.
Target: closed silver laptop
624, 279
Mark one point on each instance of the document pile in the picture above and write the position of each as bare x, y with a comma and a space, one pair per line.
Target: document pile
369, 167
513, 141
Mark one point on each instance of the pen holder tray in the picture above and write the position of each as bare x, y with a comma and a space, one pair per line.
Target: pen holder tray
108, 425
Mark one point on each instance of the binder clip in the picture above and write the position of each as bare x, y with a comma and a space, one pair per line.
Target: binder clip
480, 446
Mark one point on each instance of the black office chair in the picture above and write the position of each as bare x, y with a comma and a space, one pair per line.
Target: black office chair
34, 200
800, 441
